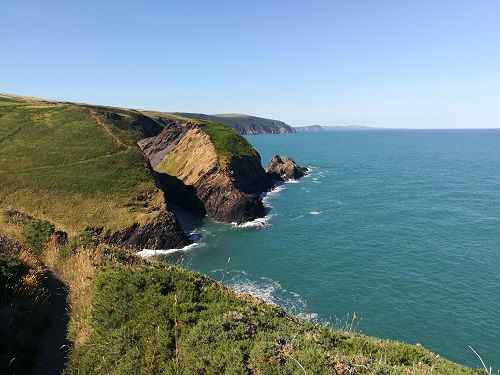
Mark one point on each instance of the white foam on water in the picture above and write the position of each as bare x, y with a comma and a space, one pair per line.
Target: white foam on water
261, 222
263, 291
292, 181
145, 253
278, 188
268, 290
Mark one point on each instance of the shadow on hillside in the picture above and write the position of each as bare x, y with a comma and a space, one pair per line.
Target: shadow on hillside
53, 343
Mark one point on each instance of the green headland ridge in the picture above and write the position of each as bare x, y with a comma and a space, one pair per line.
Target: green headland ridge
244, 124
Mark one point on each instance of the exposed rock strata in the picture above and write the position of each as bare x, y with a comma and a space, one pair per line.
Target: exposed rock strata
192, 175
281, 168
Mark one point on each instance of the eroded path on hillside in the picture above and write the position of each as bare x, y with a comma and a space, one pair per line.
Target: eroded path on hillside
96, 118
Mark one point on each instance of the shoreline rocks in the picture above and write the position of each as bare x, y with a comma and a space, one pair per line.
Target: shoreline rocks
162, 232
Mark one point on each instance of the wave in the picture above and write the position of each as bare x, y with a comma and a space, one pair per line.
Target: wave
278, 187
270, 291
152, 252
261, 222
308, 316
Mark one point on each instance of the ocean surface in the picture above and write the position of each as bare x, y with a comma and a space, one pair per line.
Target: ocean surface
400, 227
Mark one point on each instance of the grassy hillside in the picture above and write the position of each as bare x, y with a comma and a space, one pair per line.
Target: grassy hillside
243, 124
76, 165
161, 319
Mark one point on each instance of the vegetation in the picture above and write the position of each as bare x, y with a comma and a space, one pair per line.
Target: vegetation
227, 141
79, 165
37, 234
129, 315
161, 319
23, 307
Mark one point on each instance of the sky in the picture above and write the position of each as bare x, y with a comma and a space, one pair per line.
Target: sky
380, 63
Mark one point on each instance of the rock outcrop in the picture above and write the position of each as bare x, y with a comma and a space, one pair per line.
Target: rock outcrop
284, 169
193, 174
161, 232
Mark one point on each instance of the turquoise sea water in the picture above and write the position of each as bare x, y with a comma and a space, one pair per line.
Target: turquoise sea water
401, 227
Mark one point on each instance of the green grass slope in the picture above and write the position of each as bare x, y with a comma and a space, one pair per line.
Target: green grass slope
161, 319
76, 165
243, 124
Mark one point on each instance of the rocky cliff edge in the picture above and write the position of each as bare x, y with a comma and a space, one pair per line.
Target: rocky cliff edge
194, 174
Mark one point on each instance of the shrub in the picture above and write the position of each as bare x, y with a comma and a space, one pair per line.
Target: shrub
36, 234
83, 239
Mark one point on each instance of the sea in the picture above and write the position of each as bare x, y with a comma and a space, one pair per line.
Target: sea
393, 233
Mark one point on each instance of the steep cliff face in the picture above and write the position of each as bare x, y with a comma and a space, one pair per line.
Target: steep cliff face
158, 232
195, 175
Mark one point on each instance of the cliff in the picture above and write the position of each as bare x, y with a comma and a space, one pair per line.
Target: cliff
209, 169
308, 128
244, 124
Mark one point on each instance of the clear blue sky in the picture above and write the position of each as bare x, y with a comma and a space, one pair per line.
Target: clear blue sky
390, 63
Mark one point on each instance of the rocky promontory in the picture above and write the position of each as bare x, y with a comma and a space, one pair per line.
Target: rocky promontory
284, 169
209, 169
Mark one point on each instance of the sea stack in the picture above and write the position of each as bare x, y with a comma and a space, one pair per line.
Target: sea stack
284, 169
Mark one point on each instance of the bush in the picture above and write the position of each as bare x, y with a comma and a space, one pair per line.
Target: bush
165, 320
36, 234
83, 239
